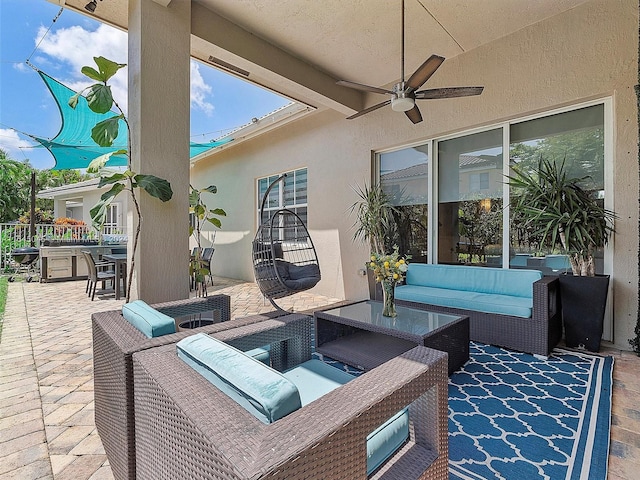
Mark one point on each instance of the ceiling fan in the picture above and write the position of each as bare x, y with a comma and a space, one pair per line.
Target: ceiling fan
404, 94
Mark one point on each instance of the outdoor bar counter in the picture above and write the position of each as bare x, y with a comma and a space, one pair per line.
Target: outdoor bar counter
62, 261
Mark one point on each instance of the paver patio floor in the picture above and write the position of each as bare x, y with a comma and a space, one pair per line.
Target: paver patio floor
47, 428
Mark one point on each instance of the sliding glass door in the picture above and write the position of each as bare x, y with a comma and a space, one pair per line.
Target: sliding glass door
470, 184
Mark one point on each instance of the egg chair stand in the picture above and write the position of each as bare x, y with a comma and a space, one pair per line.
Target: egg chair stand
284, 257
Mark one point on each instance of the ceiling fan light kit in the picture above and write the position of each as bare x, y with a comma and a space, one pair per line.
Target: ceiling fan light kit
401, 102
404, 94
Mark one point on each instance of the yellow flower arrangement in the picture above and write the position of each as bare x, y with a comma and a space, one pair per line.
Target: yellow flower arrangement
388, 268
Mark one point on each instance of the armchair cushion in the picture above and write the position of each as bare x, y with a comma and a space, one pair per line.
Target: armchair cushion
314, 379
386, 439
261, 390
270, 395
148, 320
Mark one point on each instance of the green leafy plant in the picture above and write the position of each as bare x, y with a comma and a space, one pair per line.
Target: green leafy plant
201, 215
562, 212
374, 218
100, 100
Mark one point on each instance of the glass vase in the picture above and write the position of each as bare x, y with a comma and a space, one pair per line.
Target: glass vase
388, 299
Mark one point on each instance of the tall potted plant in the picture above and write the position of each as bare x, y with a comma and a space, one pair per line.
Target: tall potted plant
198, 267
565, 214
376, 226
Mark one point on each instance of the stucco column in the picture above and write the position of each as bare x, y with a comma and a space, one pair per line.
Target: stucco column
159, 47
60, 208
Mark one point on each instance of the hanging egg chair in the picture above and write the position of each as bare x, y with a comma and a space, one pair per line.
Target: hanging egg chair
284, 258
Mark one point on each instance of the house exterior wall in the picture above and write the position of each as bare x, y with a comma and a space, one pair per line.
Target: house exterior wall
88, 200
586, 53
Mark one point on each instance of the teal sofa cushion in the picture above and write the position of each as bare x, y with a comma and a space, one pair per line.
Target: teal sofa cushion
315, 379
261, 390
558, 263
148, 320
501, 281
479, 302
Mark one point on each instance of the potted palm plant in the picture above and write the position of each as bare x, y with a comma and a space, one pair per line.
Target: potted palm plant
565, 214
376, 226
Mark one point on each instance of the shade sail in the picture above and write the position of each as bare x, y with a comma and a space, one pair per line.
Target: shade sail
73, 147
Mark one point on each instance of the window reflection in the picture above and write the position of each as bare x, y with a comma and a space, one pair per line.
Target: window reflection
575, 138
470, 206
404, 177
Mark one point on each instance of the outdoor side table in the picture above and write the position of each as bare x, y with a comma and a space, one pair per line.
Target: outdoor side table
359, 335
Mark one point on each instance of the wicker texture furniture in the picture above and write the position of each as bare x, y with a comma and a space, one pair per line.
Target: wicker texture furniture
114, 342
537, 335
186, 428
353, 335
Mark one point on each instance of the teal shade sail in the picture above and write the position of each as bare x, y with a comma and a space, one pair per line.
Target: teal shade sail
73, 147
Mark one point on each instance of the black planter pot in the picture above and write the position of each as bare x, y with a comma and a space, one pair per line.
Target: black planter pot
584, 300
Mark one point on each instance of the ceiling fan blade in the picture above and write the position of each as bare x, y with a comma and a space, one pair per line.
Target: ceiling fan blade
370, 109
414, 114
423, 73
365, 88
448, 92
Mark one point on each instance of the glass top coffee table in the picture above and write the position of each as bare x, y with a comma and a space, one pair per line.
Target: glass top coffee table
359, 335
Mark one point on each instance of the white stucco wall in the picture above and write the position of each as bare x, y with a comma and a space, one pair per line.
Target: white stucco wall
586, 53
89, 199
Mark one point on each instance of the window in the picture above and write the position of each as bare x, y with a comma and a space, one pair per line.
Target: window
469, 222
478, 181
404, 178
575, 138
470, 184
111, 223
292, 196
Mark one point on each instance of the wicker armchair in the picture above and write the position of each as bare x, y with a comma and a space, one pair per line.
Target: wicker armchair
114, 342
187, 428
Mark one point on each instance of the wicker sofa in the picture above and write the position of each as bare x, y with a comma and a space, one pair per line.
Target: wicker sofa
187, 428
114, 342
512, 308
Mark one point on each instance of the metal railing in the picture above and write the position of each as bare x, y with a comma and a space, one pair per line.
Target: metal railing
16, 235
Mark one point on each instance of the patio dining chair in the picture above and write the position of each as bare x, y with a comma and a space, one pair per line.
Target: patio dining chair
207, 255
97, 272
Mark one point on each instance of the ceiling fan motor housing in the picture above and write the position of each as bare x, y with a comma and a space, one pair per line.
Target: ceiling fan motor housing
401, 100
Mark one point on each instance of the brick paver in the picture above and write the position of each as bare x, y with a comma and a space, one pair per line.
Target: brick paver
47, 428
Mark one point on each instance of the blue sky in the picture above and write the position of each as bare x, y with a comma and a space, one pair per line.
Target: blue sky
219, 102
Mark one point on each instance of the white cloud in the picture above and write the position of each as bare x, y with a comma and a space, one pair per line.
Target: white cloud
75, 47
11, 143
200, 90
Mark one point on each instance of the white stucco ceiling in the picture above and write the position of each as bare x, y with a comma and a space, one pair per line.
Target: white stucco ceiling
360, 40
328, 40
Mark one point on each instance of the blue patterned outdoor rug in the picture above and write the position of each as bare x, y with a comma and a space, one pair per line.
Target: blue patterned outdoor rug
516, 416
